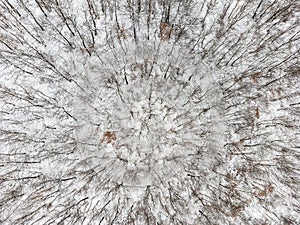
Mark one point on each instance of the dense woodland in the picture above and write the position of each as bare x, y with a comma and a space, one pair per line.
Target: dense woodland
149, 112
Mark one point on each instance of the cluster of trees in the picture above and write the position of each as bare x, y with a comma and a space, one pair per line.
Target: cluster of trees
149, 112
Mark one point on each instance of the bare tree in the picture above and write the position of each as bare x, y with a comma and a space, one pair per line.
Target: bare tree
149, 112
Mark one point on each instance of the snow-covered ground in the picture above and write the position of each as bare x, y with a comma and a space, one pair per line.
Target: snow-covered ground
149, 112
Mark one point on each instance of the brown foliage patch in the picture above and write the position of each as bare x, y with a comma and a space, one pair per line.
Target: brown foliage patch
255, 76
108, 137
267, 190
257, 114
165, 31
123, 33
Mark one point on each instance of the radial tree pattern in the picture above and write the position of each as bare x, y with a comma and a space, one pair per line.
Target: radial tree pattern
149, 112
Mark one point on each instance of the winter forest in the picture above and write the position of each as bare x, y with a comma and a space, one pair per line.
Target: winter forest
159, 112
